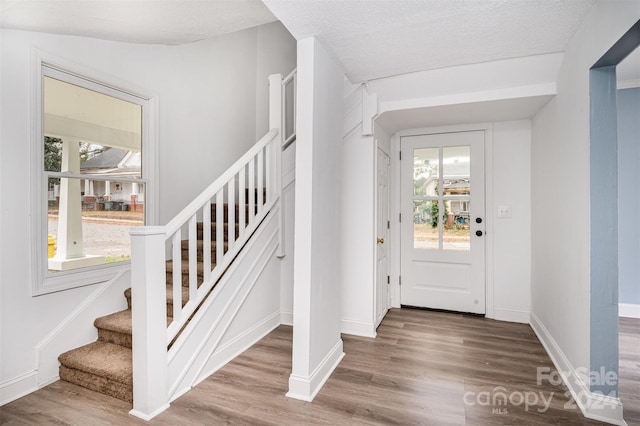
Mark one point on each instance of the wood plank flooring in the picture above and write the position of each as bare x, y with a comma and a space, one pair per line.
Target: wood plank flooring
420, 370
629, 369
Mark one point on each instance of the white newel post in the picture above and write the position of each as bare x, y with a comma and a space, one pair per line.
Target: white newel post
149, 318
276, 108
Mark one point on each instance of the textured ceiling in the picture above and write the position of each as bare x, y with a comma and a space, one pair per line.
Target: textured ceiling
371, 38
150, 21
379, 38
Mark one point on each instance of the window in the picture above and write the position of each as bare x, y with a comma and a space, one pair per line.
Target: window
92, 178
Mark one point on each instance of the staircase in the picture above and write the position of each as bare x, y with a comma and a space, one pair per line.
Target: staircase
105, 365
190, 280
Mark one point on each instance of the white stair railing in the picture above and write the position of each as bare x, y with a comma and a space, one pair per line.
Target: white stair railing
258, 174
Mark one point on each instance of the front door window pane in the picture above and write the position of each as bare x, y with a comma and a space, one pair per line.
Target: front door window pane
425, 225
456, 170
426, 172
456, 232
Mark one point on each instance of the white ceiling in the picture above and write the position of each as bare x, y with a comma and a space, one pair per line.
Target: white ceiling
374, 39
371, 38
150, 21
474, 112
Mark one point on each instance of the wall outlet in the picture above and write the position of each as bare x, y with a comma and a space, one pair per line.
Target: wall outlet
504, 211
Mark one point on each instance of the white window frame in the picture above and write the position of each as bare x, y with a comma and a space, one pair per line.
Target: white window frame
42, 282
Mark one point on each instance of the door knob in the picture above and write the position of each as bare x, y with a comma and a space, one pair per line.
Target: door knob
479, 233
380, 240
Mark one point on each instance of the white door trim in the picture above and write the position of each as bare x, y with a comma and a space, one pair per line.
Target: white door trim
394, 197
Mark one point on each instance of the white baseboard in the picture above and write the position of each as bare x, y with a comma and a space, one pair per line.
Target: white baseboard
148, 417
629, 310
511, 315
306, 388
18, 387
358, 328
592, 405
286, 318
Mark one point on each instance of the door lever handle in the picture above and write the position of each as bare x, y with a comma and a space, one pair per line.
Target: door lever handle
380, 240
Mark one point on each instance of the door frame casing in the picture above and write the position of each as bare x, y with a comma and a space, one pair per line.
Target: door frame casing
395, 206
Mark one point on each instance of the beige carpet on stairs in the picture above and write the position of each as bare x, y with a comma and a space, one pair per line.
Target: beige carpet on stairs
102, 367
105, 366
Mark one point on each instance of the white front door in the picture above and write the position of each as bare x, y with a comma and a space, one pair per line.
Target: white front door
442, 228
382, 243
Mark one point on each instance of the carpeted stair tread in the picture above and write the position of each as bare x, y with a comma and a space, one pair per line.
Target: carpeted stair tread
185, 267
105, 366
97, 383
120, 322
185, 295
199, 244
237, 212
214, 227
102, 359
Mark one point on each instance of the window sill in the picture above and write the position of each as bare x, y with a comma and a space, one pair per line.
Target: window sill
67, 280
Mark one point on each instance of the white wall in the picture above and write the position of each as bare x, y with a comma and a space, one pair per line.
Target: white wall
494, 75
507, 160
357, 239
317, 346
207, 119
560, 190
383, 139
511, 186
287, 262
276, 55
508, 240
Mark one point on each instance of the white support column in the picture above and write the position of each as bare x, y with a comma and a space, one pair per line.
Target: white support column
317, 345
107, 190
70, 212
149, 319
70, 250
276, 107
91, 189
87, 186
134, 188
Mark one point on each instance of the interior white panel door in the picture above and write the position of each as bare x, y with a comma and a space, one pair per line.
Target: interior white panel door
382, 243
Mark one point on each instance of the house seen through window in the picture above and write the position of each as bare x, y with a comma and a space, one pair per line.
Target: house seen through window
93, 169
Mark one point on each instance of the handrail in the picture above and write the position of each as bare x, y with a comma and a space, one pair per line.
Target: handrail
289, 76
192, 208
173, 254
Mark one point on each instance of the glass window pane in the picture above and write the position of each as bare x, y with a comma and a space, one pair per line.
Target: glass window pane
86, 227
456, 170
425, 225
425, 172
456, 233
104, 133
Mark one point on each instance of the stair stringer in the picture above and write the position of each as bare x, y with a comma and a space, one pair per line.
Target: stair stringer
242, 308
